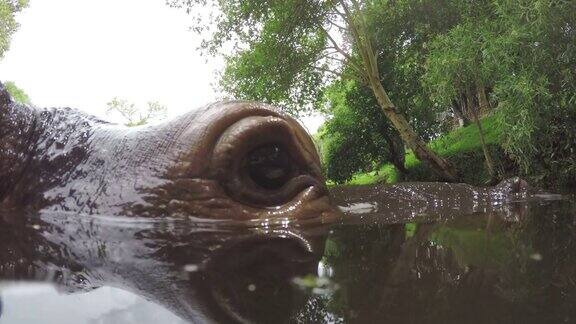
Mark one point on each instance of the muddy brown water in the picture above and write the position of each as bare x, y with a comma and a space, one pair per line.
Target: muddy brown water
412, 256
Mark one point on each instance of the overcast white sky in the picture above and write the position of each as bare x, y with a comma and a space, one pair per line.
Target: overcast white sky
82, 53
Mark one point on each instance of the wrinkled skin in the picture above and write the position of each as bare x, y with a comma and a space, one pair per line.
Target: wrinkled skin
230, 160
407, 201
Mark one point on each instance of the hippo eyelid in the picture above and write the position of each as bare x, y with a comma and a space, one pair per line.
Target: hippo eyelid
260, 160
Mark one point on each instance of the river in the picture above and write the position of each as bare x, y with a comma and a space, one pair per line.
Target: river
420, 260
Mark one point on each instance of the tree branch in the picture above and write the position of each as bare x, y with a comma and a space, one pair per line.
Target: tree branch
319, 68
367, 39
335, 46
341, 28
330, 57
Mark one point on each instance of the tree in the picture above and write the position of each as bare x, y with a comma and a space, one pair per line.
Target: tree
357, 136
522, 54
17, 94
458, 76
133, 115
403, 31
8, 24
535, 57
285, 50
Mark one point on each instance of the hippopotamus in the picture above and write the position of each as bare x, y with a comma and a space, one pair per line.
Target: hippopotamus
407, 201
85, 203
234, 160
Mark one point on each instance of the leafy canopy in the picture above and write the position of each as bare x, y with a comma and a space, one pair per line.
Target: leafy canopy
8, 23
281, 52
525, 51
357, 136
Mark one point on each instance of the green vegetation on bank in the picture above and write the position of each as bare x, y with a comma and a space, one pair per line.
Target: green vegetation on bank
461, 147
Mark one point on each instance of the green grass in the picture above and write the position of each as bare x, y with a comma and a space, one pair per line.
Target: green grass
386, 173
467, 138
461, 147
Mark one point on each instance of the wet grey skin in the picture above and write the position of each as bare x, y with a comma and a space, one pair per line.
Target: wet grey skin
410, 201
229, 160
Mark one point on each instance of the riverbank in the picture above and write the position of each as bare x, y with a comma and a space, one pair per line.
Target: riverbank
462, 148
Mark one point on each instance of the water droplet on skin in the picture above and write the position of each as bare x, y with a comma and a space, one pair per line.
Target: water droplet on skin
191, 268
536, 257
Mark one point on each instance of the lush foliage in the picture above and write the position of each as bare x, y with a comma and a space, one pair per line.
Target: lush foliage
17, 94
273, 49
286, 52
402, 30
357, 137
8, 24
462, 147
525, 52
513, 57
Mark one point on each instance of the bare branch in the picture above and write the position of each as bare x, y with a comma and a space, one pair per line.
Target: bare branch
336, 47
336, 59
328, 53
330, 57
341, 28
339, 13
319, 68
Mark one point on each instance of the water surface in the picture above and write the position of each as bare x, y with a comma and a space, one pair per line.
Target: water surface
429, 261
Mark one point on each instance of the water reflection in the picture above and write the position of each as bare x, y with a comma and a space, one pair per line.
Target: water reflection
200, 274
42, 303
476, 268
511, 262
407, 202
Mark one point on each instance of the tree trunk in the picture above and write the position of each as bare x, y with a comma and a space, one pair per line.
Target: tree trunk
397, 154
458, 110
483, 99
369, 73
474, 110
409, 136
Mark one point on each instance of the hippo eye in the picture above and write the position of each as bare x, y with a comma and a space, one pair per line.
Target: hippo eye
261, 161
269, 166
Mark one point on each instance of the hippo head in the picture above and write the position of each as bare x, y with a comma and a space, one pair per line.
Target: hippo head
244, 160
230, 160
